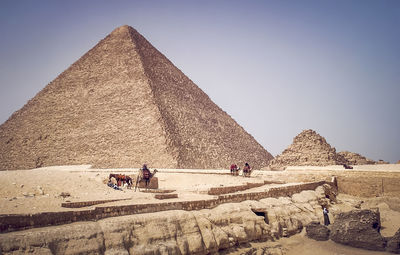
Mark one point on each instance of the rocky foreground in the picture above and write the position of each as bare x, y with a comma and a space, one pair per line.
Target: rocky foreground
268, 226
176, 232
225, 229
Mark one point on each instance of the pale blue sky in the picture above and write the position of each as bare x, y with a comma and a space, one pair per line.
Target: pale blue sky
277, 67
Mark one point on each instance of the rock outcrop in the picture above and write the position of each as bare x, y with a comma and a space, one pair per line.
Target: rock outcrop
358, 228
123, 104
317, 231
393, 244
174, 232
355, 158
308, 149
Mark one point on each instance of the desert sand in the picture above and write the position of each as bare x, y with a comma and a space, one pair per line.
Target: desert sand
39, 190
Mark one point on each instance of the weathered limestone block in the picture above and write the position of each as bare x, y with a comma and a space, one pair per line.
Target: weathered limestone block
331, 192
393, 244
171, 232
287, 216
304, 196
317, 231
358, 228
165, 196
76, 238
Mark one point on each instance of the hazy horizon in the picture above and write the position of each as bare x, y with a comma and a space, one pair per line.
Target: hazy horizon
276, 67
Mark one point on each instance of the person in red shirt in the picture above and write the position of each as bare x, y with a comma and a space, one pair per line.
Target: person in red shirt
234, 170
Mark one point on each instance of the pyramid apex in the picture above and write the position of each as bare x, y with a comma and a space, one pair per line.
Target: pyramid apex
122, 29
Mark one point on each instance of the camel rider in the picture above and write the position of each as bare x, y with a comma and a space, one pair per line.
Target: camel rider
246, 169
146, 172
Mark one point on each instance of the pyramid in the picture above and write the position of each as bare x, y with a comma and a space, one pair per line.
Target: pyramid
356, 159
308, 149
123, 104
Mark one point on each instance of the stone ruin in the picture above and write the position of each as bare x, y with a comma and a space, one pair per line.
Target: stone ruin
308, 149
356, 228
120, 105
381, 161
355, 158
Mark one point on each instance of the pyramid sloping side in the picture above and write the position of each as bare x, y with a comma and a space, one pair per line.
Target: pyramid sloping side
308, 149
204, 135
356, 159
120, 105
99, 111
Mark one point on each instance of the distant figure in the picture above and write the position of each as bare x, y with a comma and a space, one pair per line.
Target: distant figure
145, 171
246, 170
326, 217
144, 174
347, 166
234, 170
113, 183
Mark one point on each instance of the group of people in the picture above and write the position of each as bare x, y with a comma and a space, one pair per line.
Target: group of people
246, 170
117, 181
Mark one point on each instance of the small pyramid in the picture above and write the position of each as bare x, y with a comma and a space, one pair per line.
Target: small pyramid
308, 149
356, 159
123, 104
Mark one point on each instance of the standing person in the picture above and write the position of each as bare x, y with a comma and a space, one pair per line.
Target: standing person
234, 169
326, 216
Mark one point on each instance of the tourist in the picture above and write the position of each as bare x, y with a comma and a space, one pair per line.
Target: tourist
146, 172
234, 169
113, 183
246, 170
326, 216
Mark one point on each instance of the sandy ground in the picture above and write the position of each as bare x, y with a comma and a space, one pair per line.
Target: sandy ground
38, 190
301, 245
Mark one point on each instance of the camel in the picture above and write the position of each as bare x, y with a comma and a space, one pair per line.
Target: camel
146, 175
246, 170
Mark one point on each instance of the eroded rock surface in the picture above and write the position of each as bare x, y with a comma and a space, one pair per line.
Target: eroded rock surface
174, 232
317, 231
393, 244
358, 228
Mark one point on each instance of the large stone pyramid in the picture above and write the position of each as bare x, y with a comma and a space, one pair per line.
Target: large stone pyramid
121, 105
308, 149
